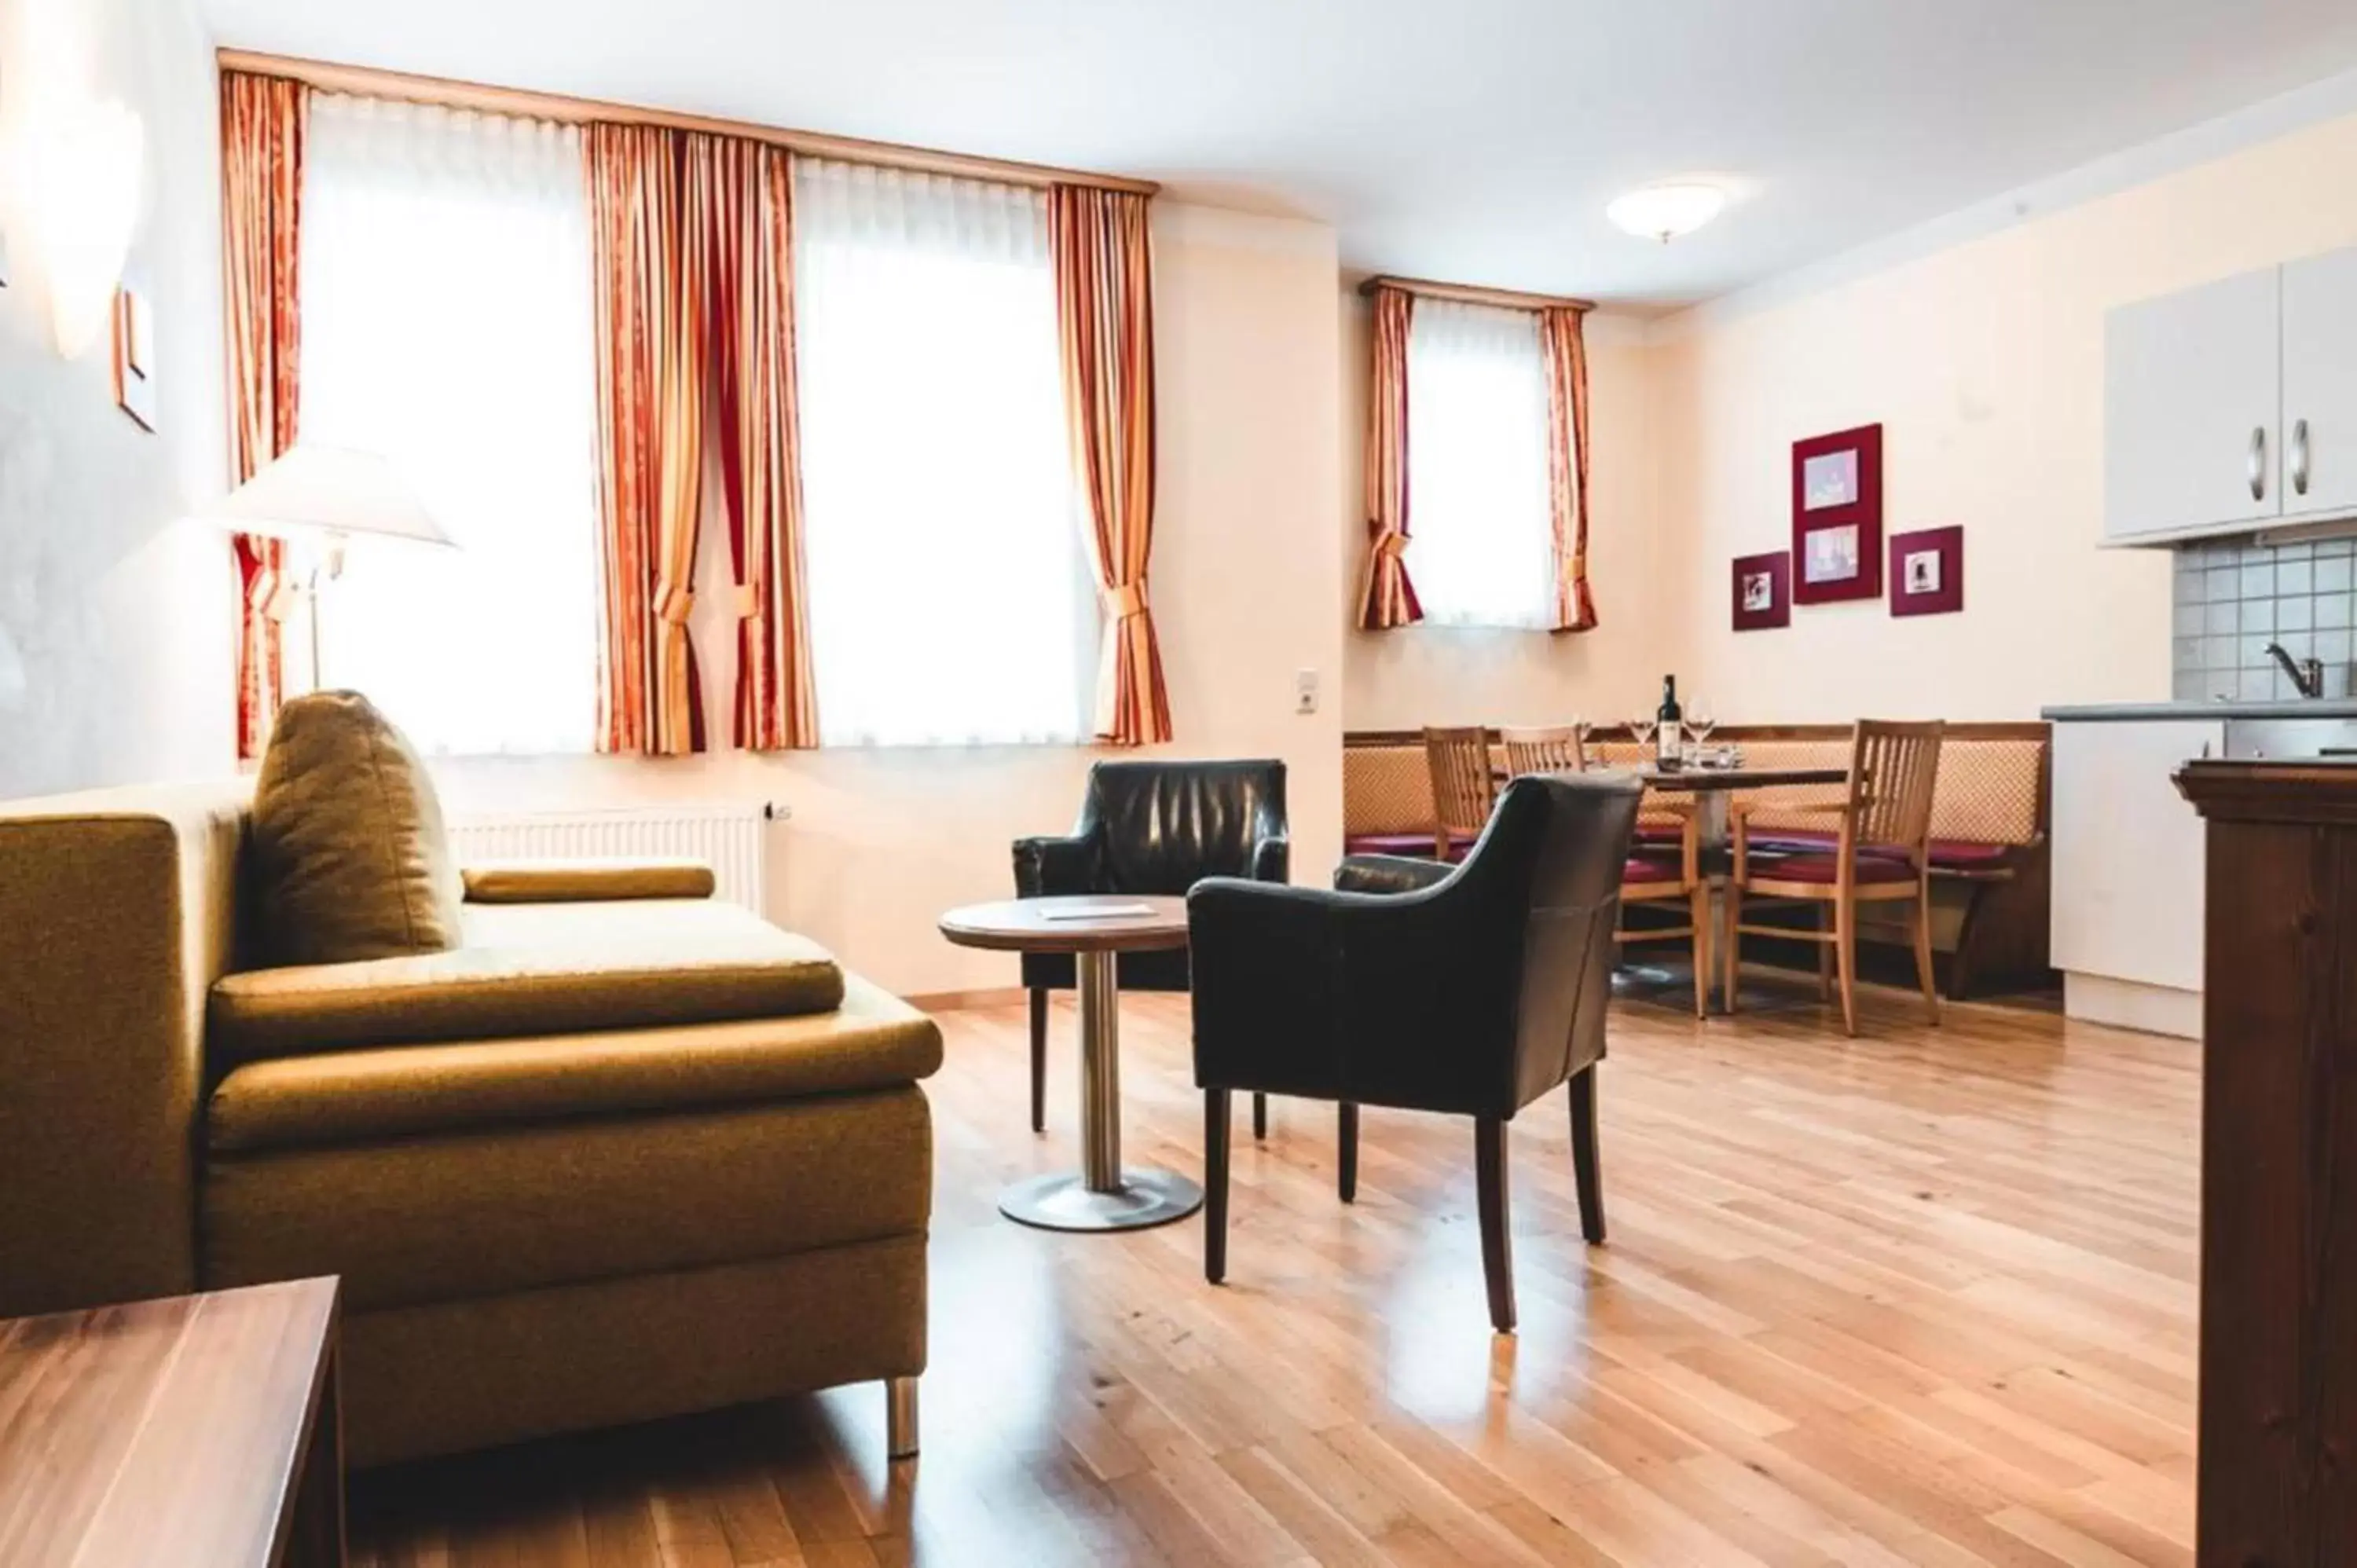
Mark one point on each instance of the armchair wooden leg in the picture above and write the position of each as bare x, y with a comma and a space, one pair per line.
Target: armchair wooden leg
1039, 1059
1846, 961
1215, 1184
1587, 1163
1923, 955
1260, 1117
1346, 1145
1825, 953
1497, 1243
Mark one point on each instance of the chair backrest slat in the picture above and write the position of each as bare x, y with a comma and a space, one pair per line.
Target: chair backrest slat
1548, 749
1893, 769
1464, 788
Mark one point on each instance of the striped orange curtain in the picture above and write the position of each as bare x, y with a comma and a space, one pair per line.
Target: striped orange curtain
1102, 255
262, 121
740, 212
1388, 598
1566, 342
650, 367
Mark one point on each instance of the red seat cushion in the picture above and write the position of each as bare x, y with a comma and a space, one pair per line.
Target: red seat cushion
1794, 841
1965, 854
1645, 868
1415, 844
1660, 833
1826, 869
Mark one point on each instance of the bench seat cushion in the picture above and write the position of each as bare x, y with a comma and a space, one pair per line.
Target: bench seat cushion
1418, 844
533, 968
1960, 854
1826, 869
873, 1041
1651, 868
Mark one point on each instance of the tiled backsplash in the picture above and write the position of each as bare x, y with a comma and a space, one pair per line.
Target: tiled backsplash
2232, 599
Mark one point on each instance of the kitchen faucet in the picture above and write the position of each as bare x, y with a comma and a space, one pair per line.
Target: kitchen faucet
2307, 675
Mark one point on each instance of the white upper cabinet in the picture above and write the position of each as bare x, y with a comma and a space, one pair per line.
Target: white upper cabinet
2319, 384
2193, 383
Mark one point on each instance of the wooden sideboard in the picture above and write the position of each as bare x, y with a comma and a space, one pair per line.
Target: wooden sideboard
2279, 1360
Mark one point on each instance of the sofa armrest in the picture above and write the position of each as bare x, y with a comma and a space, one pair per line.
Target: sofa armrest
1272, 858
586, 881
1048, 866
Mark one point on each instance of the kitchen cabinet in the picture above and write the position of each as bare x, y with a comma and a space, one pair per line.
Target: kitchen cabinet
2127, 871
2232, 407
2319, 383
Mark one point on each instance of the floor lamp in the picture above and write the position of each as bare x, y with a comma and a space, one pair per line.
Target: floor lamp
324, 496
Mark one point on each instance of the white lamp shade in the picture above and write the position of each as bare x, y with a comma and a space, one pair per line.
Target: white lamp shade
1665, 211
332, 491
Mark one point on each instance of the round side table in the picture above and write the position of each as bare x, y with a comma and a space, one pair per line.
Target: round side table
1101, 1195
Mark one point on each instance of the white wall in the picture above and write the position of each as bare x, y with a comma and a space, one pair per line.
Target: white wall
1245, 568
1983, 364
1412, 676
116, 617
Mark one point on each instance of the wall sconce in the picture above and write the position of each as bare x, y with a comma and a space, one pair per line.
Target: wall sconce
80, 172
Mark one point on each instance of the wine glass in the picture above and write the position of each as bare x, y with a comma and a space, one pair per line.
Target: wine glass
1642, 729
1580, 730
1699, 724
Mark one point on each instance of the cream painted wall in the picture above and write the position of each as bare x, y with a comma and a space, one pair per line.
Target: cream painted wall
116, 628
1423, 676
879, 842
1983, 364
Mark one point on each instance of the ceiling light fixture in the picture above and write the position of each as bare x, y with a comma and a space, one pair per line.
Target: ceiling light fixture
1664, 212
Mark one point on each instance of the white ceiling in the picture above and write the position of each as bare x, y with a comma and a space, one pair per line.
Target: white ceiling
1472, 140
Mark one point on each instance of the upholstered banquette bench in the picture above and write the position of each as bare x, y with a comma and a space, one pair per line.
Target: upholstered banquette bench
1989, 821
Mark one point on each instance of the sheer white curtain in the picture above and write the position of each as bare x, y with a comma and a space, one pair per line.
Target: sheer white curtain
949, 598
447, 324
1479, 549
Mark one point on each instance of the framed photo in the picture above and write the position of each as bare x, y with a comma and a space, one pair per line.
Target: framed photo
1763, 591
134, 357
1927, 572
1837, 516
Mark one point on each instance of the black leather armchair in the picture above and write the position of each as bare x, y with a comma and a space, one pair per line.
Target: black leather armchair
1151, 827
1470, 989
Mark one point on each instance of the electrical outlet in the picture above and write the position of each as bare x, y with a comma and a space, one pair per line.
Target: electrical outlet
1304, 691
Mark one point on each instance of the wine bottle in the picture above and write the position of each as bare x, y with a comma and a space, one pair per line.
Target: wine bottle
1671, 717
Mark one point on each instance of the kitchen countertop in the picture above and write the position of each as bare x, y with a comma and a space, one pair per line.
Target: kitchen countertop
2314, 708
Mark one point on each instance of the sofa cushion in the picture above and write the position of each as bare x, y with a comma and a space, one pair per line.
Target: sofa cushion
873, 1041
511, 1209
349, 857
533, 968
573, 881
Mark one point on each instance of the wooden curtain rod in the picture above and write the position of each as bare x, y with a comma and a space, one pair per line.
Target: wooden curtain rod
370, 82
1473, 294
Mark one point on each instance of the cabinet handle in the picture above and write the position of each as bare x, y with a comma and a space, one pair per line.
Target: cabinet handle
2299, 457
2256, 466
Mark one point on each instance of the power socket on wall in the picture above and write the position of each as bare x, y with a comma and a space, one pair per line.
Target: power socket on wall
1304, 691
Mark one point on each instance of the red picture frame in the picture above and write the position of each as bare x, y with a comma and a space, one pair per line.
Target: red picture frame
1927, 572
1837, 516
1763, 588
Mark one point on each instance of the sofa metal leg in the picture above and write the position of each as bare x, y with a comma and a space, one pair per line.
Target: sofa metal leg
1039, 1059
1346, 1179
1260, 1117
1497, 1239
1215, 1184
1587, 1163
901, 1417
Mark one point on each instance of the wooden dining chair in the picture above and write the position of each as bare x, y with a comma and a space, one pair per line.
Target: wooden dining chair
1881, 851
1464, 787
1543, 749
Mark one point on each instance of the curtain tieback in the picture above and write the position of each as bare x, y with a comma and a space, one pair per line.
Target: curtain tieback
673, 604
747, 601
1127, 600
1391, 543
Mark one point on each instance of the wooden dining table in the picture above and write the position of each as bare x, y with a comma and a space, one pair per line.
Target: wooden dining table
1714, 790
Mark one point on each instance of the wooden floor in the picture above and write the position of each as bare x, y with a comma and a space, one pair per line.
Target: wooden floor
1926, 1297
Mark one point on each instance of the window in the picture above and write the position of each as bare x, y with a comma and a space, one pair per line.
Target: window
447, 324
949, 593
1479, 546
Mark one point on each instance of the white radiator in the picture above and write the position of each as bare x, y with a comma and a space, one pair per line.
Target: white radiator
729, 837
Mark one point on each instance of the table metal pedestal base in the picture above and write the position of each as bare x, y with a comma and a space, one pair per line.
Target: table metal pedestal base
1061, 1200
1101, 1195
